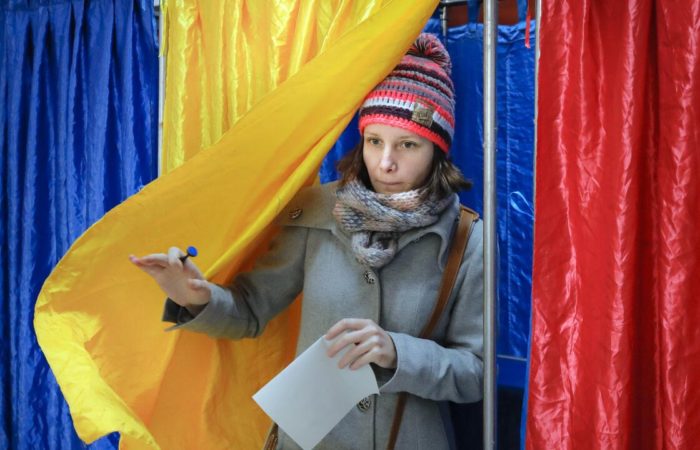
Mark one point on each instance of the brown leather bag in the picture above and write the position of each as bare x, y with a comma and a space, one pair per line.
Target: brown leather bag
467, 217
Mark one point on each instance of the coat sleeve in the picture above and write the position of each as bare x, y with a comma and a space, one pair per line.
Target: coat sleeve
452, 370
244, 307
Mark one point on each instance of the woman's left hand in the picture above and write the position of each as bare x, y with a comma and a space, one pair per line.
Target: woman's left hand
371, 344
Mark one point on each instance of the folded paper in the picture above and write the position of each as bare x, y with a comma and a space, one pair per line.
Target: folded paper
311, 395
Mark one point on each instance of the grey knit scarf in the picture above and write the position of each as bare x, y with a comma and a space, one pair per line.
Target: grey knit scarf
375, 221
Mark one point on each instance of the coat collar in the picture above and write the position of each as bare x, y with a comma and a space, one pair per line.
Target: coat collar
313, 208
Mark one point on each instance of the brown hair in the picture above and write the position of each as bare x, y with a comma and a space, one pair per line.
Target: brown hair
444, 179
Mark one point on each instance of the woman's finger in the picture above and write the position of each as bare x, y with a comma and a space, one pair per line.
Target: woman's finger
135, 261
192, 268
155, 259
345, 324
372, 356
174, 255
336, 329
150, 270
350, 337
355, 352
153, 271
198, 284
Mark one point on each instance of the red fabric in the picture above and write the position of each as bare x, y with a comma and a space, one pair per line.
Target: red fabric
406, 124
615, 356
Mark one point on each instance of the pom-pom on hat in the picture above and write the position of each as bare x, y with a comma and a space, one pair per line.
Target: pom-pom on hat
418, 95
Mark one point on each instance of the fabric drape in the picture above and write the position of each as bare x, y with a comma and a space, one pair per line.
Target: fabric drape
100, 329
78, 134
224, 57
616, 278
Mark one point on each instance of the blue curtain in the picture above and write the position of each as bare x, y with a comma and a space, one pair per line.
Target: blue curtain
78, 134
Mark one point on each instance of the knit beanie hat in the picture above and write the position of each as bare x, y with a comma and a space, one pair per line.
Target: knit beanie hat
418, 95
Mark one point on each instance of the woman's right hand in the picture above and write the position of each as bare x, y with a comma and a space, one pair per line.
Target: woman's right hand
183, 283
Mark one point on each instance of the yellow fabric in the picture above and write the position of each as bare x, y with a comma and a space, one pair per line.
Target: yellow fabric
264, 88
224, 56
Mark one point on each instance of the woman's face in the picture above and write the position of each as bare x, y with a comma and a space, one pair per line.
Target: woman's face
396, 159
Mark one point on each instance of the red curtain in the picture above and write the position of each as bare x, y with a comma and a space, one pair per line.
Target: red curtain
615, 349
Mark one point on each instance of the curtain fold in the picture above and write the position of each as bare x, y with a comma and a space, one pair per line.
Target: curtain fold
264, 131
615, 340
224, 57
78, 121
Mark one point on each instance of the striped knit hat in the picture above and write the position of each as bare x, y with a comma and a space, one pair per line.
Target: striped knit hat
418, 95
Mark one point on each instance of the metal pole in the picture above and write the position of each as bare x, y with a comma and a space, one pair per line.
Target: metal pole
161, 82
490, 29
443, 20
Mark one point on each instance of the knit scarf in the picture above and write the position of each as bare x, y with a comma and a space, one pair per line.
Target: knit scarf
375, 221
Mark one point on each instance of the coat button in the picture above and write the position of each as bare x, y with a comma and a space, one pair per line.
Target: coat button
295, 213
369, 277
364, 404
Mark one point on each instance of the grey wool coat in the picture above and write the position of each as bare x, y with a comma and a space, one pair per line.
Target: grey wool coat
312, 254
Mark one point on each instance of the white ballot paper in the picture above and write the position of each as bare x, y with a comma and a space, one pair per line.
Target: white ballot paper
311, 395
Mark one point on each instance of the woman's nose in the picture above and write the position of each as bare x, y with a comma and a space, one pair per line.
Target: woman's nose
387, 164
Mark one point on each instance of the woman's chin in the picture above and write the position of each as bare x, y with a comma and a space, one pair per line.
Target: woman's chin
391, 188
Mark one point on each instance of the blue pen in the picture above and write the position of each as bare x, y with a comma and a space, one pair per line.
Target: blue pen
191, 251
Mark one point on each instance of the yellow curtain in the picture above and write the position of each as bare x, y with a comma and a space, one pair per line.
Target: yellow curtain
263, 88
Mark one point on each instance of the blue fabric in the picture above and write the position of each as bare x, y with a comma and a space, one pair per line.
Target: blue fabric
347, 141
515, 84
78, 134
474, 9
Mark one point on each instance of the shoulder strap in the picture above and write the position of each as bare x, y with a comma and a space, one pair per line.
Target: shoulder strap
467, 217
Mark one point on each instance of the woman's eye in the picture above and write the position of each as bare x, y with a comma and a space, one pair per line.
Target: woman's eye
409, 144
373, 141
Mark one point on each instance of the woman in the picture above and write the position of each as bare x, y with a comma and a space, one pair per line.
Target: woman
368, 253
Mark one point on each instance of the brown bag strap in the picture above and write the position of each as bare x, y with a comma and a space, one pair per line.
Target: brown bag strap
467, 217
272, 438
